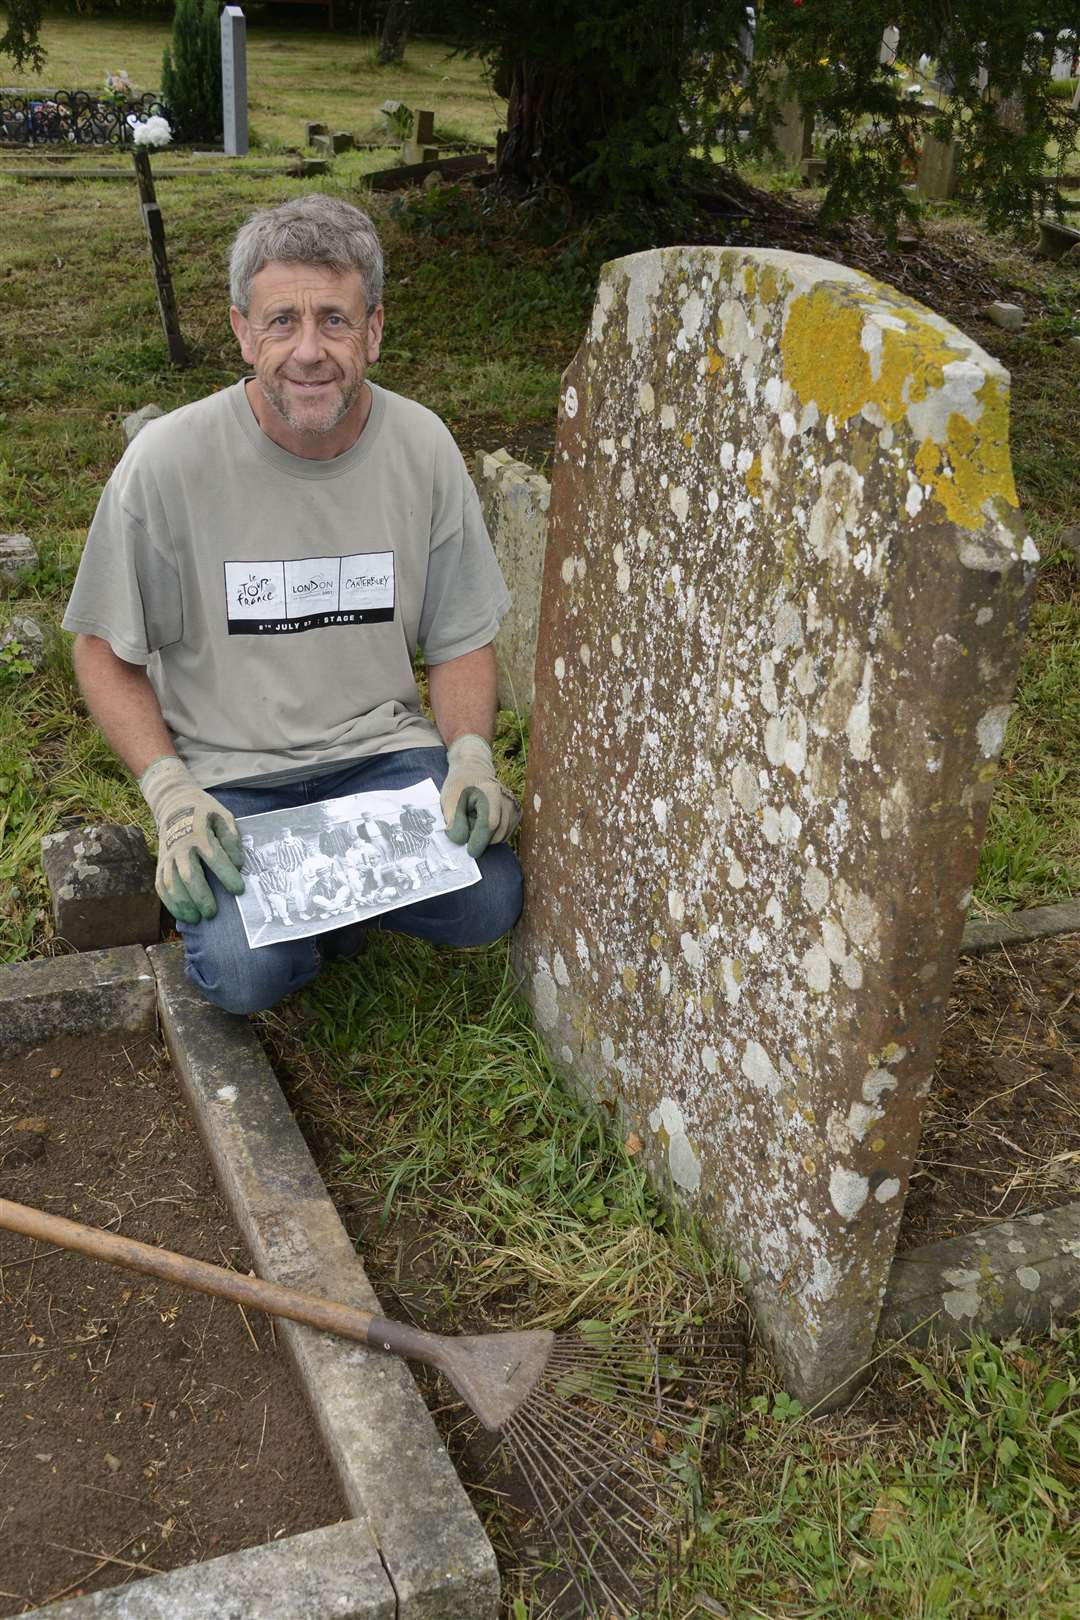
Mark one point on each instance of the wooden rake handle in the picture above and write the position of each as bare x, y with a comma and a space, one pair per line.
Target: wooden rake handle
271, 1297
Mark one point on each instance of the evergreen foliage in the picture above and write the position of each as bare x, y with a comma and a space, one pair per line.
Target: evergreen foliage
617, 100
191, 71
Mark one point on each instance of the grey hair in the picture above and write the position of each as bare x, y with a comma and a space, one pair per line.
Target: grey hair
313, 229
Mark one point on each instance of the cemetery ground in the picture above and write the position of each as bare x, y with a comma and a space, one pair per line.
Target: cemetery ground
476, 1190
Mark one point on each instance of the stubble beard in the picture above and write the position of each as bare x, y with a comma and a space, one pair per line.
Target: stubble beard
333, 412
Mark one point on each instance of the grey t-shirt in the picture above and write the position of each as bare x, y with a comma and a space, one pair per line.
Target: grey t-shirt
277, 601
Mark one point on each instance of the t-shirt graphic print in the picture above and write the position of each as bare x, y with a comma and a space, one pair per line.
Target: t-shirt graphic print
308, 593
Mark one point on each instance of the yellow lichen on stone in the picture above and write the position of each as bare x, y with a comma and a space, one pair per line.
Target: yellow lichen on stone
688, 441
715, 361
767, 288
753, 478
825, 360
629, 978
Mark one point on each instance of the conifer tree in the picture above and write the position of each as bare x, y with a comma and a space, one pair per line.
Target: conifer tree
191, 71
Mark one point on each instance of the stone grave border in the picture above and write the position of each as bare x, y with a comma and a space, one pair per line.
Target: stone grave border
413, 1548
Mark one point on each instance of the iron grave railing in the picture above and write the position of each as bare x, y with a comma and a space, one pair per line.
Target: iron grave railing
72, 117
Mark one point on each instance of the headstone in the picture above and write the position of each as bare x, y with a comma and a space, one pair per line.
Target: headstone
313, 129
937, 168
781, 619
18, 557
323, 144
793, 131
101, 880
1062, 60
234, 97
28, 636
514, 500
890, 43
419, 147
392, 114
134, 424
341, 141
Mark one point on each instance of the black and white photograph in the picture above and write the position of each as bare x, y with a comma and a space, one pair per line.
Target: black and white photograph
341, 861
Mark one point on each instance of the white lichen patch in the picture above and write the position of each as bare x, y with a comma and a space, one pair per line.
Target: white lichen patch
990, 730
759, 1069
887, 1189
848, 1192
1028, 1278
816, 969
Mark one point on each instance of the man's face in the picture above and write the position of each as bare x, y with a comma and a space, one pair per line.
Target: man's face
310, 340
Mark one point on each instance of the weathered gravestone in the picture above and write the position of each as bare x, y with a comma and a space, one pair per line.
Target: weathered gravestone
937, 167
514, 500
781, 618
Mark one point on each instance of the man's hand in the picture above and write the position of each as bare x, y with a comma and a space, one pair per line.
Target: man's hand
477, 808
192, 828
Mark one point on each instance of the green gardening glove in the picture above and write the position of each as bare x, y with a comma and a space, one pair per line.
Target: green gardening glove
193, 830
478, 810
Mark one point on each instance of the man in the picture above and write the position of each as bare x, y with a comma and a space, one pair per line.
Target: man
261, 569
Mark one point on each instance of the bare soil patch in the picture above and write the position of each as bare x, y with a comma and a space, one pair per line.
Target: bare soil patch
1001, 1135
142, 1427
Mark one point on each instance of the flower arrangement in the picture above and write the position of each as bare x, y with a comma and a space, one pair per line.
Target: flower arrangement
153, 131
119, 88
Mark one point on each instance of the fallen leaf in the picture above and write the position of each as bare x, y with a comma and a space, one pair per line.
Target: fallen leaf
886, 1514
112, 1462
54, 1074
633, 1144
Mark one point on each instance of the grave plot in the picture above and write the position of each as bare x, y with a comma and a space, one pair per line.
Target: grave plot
783, 602
1001, 1130
142, 1427
175, 1411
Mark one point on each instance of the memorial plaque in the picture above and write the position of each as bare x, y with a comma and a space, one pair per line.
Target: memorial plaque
782, 613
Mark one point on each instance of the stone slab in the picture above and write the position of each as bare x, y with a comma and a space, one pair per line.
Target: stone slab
234, 89
18, 557
26, 634
329, 1574
1055, 240
514, 500
1020, 927
782, 610
76, 995
134, 424
391, 1465
1017, 1276
101, 882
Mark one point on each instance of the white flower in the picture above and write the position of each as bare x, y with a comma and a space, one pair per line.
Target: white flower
153, 131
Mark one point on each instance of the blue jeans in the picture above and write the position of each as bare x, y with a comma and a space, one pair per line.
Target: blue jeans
221, 963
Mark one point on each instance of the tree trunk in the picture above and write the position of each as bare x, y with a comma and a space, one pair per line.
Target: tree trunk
552, 120
395, 31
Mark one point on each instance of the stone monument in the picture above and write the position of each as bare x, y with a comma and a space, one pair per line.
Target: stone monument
234, 98
782, 613
514, 501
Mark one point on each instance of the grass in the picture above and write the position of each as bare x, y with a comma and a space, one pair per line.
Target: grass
440, 1125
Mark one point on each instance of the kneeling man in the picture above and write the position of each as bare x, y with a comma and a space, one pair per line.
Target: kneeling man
262, 567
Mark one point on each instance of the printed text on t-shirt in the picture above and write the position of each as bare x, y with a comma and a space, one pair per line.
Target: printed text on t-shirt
309, 593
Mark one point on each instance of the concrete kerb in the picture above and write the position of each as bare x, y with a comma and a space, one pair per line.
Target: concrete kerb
1016, 1276
394, 1472
76, 995
414, 1549
1021, 927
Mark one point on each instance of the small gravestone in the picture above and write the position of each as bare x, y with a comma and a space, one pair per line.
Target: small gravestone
419, 147
514, 500
341, 141
234, 97
23, 638
101, 880
323, 144
890, 44
1055, 239
937, 168
783, 601
18, 557
793, 130
134, 424
311, 130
